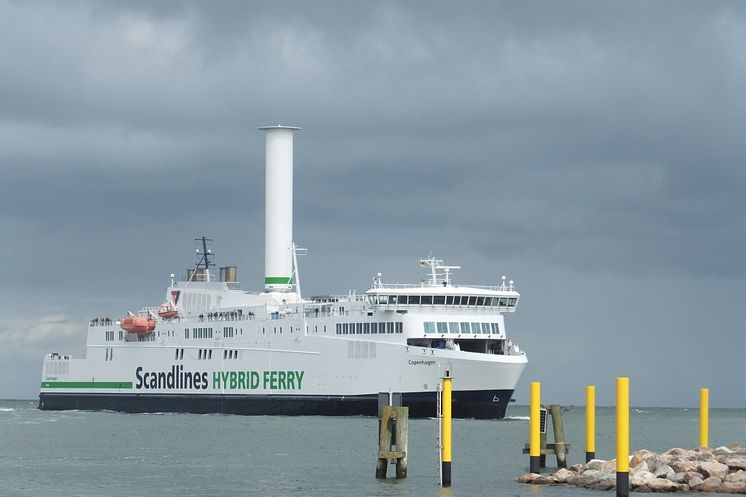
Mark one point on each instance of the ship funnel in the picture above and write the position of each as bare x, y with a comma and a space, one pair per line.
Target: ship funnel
278, 208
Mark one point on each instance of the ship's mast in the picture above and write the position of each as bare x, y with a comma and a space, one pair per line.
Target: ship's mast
205, 255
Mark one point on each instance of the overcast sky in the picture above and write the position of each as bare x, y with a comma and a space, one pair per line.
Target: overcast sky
591, 151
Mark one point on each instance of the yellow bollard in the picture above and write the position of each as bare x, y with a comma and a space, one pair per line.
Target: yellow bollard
446, 412
590, 423
622, 437
534, 426
704, 417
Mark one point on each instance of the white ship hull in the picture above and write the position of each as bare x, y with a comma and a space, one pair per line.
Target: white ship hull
277, 371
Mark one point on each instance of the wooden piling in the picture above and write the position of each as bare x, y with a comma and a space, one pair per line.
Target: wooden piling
560, 447
392, 441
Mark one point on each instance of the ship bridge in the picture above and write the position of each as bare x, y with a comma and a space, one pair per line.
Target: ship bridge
438, 291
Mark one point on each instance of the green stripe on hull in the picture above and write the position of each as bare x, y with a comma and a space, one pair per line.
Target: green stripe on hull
277, 280
86, 384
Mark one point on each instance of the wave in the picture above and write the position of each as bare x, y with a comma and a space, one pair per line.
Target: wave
518, 418
6, 409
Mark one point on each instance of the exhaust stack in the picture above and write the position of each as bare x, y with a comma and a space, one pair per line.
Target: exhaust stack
278, 208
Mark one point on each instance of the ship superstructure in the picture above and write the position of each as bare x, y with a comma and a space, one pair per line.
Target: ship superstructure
214, 347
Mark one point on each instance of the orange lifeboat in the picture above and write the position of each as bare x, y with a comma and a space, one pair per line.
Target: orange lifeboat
167, 311
133, 324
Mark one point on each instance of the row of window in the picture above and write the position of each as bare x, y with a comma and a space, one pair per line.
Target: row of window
228, 331
198, 333
452, 300
368, 328
463, 328
201, 354
110, 336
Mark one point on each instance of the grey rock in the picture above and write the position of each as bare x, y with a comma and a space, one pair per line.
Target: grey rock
692, 474
711, 484
739, 475
735, 462
528, 477
662, 485
733, 487
594, 464
562, 475
712, 468
695, 483
602, 485
678, 477
664, 471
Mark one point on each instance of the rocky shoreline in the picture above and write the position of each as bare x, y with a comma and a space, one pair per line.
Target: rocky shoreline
720, 470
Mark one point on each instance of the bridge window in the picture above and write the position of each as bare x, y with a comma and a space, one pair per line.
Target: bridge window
414, 300
480, 300
402, 299
449, 300
439, 300
383, 299
457, 300
475, 327
442, 327
427, 300
472, 300
503, 302
429, 327
453, 327
512, 302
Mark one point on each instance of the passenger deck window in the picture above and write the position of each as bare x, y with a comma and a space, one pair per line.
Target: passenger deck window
495, 329
429, 326
442, 327
486, 328
453, 327
464, 327
475, 328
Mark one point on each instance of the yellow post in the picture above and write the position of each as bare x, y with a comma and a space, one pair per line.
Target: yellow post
446, 413
622, 437
590, 423
704, 417
534, 425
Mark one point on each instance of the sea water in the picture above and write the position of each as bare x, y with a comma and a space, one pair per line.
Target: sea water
80, 453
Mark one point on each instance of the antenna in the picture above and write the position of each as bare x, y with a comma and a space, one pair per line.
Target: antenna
205, 256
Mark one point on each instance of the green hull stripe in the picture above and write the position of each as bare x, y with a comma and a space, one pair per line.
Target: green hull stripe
86, 384
277, 280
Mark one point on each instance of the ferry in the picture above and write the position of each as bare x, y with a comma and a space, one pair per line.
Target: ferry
213, 347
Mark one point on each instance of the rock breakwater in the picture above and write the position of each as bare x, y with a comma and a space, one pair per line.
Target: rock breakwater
721, 470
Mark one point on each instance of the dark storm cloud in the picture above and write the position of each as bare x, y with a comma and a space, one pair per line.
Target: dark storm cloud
585, 139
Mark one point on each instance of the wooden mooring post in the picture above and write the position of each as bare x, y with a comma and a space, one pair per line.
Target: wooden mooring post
392, 436
559, 448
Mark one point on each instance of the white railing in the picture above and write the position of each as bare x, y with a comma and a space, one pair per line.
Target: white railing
395, 286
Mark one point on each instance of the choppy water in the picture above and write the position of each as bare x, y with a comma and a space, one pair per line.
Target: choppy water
45, 453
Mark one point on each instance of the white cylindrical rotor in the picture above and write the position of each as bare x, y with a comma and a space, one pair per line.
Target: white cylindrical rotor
278, 213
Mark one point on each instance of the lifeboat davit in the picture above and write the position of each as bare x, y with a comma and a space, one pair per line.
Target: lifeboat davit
167, 311
133, 324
